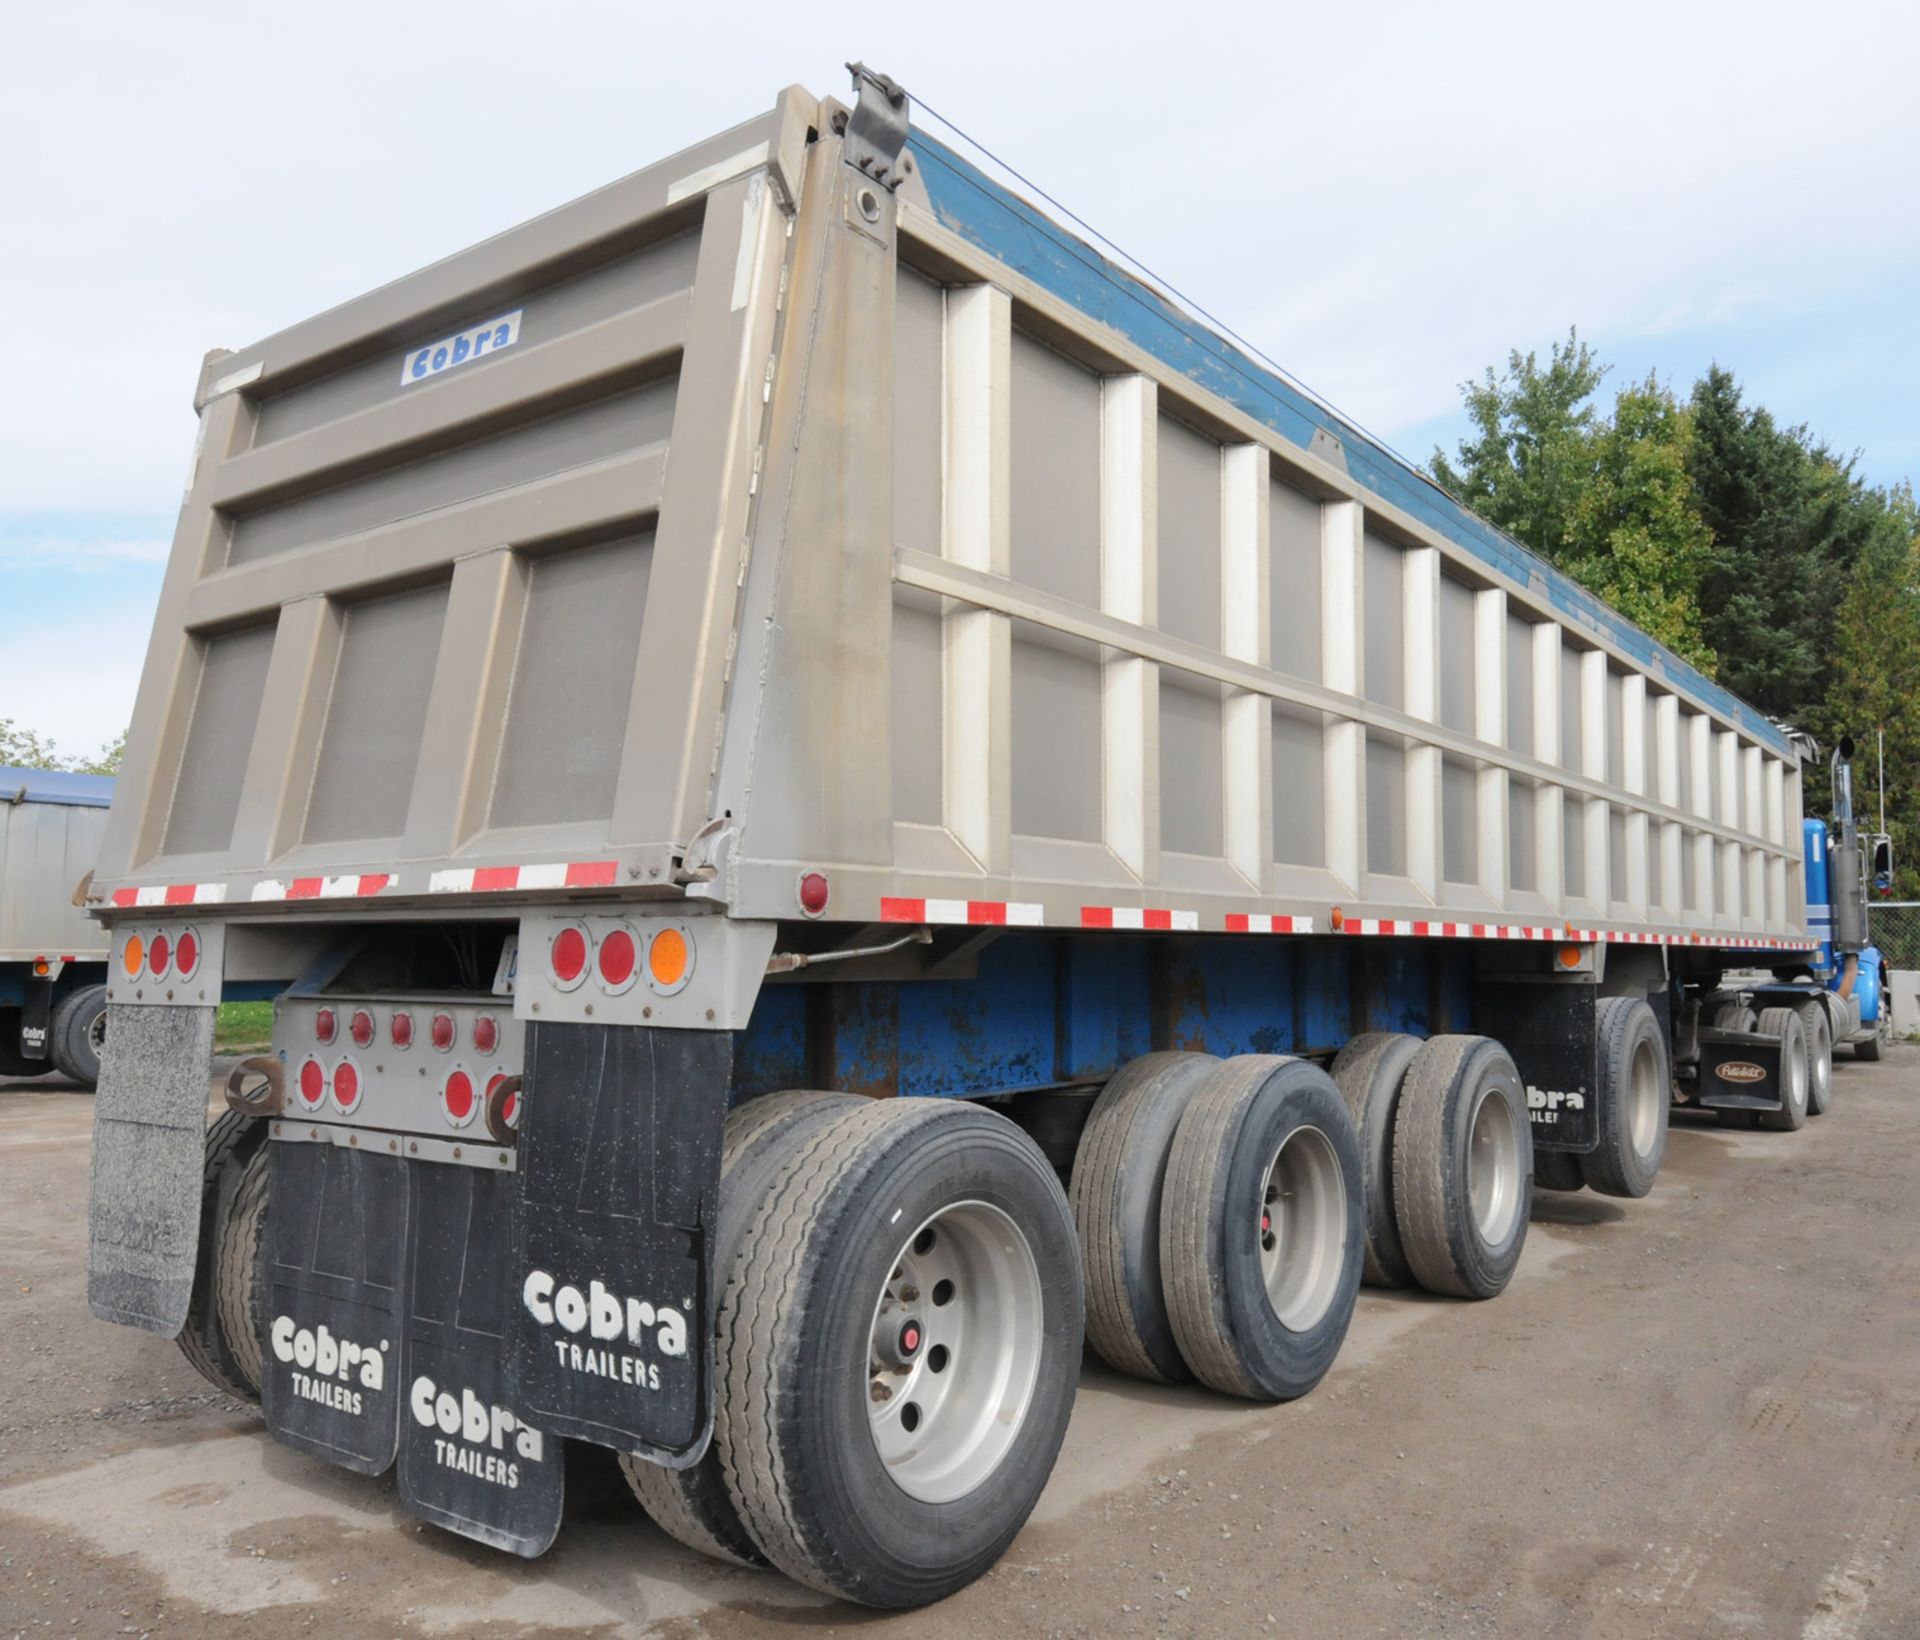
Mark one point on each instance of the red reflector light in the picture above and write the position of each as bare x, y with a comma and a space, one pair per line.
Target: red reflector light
443, 1031
157, 954
346, 1084
486, 1034
618, 960
400, 1028
186, 953
568, 955
814, 892
458, 1097
323, 1025
313, 1083
361, 1028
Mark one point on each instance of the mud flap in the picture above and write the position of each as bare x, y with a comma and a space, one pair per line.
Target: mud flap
1553, 1033
468, 1460
335, 1241
620, 1171
149, 1151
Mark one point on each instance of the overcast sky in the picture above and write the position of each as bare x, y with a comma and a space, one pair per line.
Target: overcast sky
1384, 198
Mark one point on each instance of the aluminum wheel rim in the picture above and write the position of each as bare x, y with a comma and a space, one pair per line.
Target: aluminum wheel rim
97, 1032
1493, 1168
945, 1412
1793, 1072
1644, 1098
1303, 1228
1820, 1059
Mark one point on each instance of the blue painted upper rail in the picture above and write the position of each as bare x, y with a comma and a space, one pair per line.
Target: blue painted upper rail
1031, 243
80, 791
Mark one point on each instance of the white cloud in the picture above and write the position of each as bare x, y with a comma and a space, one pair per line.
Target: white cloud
83, 557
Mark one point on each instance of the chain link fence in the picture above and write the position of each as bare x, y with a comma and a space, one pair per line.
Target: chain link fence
1894, 926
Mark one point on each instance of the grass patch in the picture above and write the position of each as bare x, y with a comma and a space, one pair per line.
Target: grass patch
243, 1027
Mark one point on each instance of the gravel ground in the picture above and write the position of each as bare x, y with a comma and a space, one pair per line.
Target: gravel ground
1693, 1415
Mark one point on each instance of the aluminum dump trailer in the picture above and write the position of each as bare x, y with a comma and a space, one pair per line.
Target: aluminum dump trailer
53, 956
837, 795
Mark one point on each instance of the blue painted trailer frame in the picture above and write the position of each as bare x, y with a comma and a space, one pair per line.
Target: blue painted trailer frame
1064, 1010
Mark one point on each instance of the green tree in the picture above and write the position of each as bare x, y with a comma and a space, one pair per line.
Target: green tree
1876, 671
23, 749
1789, 520
1607, 499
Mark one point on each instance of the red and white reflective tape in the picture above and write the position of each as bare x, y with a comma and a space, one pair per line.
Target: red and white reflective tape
1250, 922
1152, 918
503, 879
171, 894
982, 913
1418, 929
353, 886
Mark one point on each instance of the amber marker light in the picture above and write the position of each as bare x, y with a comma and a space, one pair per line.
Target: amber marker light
1569, 956
133, 956
667, 958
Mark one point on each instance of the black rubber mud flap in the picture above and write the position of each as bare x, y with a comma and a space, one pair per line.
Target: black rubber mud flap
336, 1240
1553, 1033
149, 1152
469, 1460
620, 1173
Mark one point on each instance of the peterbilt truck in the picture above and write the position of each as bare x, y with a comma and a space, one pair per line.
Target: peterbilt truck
840, 799
53, 957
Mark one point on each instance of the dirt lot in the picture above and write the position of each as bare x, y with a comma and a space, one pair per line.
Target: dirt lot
1693, 1415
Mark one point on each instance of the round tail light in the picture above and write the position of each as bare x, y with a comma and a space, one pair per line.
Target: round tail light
158, 954
619, 960
814, 892
486, 1034
312, 1084
669, 960
567, 955
443, 1032
133, 956
346, 1085
360, 1028
400, 1029
509, 1111
458, 1097
324, 1026
186, 953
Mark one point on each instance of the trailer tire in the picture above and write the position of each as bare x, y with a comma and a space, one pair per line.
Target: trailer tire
1369, 1072
1463, 1166
1262, 1227
77, 1033
692, 1505
1819, 1030
1792, 1114
231, 1143
1639, 1093
925, 1217
239, 1274
1734, 1016
1557, 1170
1119, 1172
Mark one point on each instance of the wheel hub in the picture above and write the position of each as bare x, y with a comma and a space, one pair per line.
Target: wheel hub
1303, 1222
1493, 1168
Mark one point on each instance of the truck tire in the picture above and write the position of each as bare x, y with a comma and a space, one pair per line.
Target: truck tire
1734, 1016
1261, 1230
1638, 1079
1557, 1170
903, 1340
77, 1034
1819, 1030
1868, 1049
691, 1505
240, 1289
232, 1141
1368, 1073
1792, 1114
1463, 1166
1118, 1174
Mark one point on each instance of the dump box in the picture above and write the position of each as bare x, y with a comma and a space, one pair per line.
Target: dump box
801, 619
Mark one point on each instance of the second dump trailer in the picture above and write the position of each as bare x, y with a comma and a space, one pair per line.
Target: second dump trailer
835, 795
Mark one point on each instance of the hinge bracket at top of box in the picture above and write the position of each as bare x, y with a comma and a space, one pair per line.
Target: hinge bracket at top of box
876, 130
